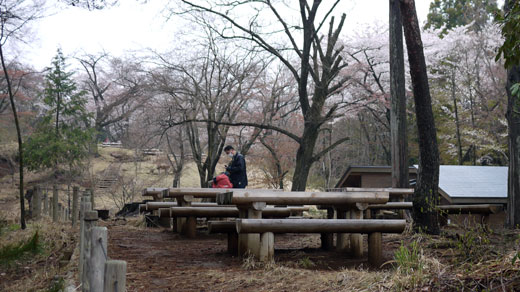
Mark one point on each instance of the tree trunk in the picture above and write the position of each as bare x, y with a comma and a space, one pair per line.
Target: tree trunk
399, 141
457, 122
19, 136
513, 119
426, 197
304, 157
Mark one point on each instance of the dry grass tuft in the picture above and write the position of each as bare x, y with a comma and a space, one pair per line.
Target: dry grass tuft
41, 270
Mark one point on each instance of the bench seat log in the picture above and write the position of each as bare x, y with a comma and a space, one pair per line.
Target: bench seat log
320, 225
196, 192
394, 192
473, 209
267, 228
391, 205
218, 212
229, 228
243, 197
151, 206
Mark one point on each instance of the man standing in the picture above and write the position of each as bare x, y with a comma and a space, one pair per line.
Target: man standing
237, 168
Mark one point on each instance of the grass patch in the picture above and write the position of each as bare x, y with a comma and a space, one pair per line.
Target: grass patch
409, 259
306, 263
16, 251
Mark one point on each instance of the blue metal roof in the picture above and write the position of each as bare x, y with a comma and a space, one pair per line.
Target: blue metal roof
468, 181
464, 181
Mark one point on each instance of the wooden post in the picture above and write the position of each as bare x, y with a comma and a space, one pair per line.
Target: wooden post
342, 239
242, 238
232, 243
98, 258
60, 212
75, 192
327, 239
115, 276
91, 194
375, 253
191, 227
356, 239
253, 239
46, 204
174, 224
55, 203
266, 252
29, 198
37, 203
90, 221
181, 221
85, 206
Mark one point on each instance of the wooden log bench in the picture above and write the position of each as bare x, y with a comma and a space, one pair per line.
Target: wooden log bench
471, 209
268, 227
380, 208
161, 193
152, 206
189, 229
397, 194
483, 214
229, 228
251, 204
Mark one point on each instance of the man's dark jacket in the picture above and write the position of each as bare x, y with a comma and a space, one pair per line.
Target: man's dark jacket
238, 172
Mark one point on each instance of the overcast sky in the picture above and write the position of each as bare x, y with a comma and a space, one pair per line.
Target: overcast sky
132, 26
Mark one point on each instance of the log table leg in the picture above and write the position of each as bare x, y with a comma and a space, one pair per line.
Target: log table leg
375, 253
356, 239
232, 243
174, 225
342, 239
242, 238
191, 227
327, 239
250, 243
402, 212
253, 239
266, 252
181, 221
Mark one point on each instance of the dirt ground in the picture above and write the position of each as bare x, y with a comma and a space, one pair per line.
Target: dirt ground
159, 260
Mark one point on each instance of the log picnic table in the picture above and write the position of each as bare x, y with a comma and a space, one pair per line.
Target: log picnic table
191, 214
398, 194
161, 193
185, 197
260, 242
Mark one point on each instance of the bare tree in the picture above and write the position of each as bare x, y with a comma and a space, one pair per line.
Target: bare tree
179, 158
317, 67
14, 16
205, 91
117, 88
